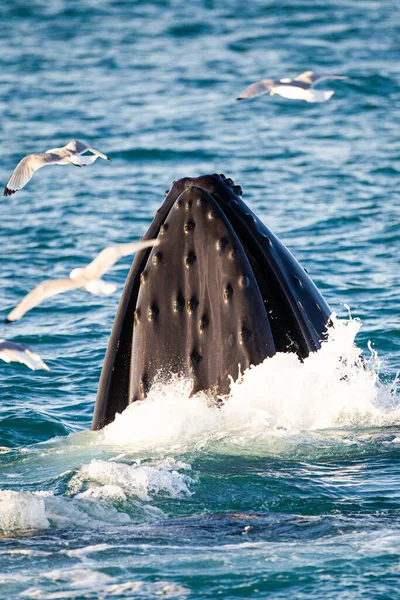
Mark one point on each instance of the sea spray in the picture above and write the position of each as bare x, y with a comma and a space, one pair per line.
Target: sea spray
334, 387
21, 512
133, 480
274, 408
101, 492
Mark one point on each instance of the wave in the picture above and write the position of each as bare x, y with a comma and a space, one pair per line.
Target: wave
275, 408
101, 493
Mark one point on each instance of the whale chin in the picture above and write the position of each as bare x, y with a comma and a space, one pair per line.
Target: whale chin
220, 293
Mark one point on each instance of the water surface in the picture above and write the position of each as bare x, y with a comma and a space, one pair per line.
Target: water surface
292, 490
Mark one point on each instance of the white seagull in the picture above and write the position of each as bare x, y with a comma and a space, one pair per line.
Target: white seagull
88, 278
69, 154
21, 353
298, 88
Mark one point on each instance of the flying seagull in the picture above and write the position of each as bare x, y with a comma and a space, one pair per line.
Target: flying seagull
21, 353
69, 154
299, 88
88, 278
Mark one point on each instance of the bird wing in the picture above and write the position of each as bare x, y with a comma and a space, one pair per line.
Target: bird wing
76, 147
54, 150
98, 153
44, 290
306, 77
34, 362
312, 78
109, 256
257, 89
6, 345
7, 355
26, 168
22, 354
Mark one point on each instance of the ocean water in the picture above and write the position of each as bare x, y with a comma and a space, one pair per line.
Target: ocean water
291, 490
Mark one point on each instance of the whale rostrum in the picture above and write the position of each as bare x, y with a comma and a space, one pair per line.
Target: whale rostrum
220, 293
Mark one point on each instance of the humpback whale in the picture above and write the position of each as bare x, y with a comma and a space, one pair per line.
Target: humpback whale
220, 293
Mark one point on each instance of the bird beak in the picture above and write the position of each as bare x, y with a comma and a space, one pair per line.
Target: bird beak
272, 93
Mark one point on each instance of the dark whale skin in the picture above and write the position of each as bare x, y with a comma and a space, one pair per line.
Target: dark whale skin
221, 292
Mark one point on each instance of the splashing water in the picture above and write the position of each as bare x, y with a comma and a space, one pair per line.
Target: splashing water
334, 387
95, 496
294, 485
272, 408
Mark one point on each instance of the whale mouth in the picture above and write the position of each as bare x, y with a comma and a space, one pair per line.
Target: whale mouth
220, 293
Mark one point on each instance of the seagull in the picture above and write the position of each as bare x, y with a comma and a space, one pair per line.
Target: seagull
88, 278
21, 353
71, 153
298, 88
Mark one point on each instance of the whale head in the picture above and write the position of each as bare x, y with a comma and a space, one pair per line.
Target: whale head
220, 293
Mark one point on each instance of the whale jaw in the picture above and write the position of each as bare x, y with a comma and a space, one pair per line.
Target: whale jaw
219, 294
199, 311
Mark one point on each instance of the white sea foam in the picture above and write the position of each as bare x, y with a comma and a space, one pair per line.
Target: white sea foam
21, 512
86, 551
104, 492
131, 480
84, 582
98, 505
332, 388
100, 493
272, 405
83, 512
75, 583
25, 511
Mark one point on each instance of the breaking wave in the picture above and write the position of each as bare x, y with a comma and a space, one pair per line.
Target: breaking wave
100, 493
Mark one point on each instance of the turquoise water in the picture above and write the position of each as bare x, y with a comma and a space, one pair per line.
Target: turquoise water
292, 489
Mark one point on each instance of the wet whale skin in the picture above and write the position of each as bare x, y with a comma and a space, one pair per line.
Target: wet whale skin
220, 293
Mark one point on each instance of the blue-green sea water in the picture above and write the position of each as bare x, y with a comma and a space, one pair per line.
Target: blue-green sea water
292, 489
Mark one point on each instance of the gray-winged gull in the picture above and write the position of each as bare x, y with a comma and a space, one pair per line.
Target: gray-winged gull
88, 278
298, 88
69, 154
